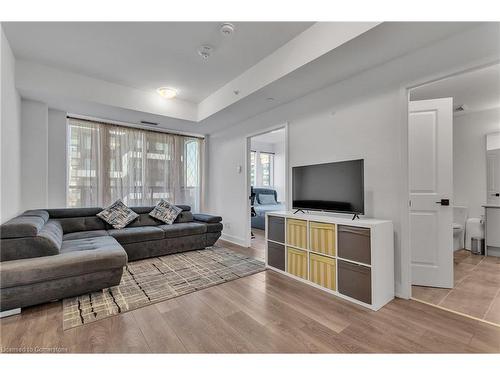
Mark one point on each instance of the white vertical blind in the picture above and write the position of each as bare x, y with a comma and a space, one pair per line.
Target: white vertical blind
109, 162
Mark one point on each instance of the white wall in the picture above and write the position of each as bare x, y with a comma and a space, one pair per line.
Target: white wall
57, 155
469, 158
280, 170
368, 122
10, 135
34, 154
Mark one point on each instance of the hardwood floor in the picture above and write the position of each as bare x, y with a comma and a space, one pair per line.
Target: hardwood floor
257, 247
263, 313
477, 287
258, 243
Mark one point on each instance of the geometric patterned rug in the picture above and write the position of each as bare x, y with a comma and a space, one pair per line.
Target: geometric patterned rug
157, 279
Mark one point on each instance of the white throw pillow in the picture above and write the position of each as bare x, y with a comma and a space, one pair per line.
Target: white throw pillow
165, 212
118, 215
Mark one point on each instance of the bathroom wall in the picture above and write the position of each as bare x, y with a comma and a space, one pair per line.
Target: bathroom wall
469, 158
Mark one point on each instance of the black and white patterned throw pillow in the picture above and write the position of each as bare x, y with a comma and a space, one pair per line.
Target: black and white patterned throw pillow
165, 212
118, 215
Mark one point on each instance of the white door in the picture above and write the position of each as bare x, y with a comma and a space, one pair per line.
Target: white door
493, 176
430, 143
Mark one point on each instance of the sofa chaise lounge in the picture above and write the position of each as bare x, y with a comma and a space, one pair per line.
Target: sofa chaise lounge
57, 253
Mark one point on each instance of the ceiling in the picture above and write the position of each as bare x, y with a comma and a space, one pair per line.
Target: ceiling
478, 90
148, 55
316, 63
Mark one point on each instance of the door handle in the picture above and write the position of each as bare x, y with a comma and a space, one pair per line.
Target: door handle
495, 195
444, 202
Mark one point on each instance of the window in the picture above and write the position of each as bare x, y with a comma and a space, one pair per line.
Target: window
266, 162
109, 162
261, 169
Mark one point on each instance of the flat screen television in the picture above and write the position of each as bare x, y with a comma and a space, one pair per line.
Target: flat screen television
333, 187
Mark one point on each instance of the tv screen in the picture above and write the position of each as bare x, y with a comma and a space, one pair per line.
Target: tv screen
335, 187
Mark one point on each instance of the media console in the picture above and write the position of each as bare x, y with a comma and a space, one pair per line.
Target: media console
350, 259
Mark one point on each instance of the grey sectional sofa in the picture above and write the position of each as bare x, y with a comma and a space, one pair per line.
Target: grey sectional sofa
56, 253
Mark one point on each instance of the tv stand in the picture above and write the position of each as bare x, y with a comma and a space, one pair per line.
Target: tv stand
355, 216
299, 210
353, 260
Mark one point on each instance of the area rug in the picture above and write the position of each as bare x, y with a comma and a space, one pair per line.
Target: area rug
158, 279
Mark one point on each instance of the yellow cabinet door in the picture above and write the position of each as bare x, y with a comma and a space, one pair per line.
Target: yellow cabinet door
322, 271
297, 262
322, 238
296, 233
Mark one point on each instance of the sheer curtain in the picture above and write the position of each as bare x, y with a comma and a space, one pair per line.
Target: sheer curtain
83, 172
138, 166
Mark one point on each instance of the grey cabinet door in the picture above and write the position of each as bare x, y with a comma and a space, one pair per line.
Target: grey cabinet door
276, 255
354, 244
276, 229
355, 281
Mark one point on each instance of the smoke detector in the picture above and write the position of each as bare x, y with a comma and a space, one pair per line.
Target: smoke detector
226, 29
205, 51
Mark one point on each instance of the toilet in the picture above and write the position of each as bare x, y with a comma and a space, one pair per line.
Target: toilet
459, 218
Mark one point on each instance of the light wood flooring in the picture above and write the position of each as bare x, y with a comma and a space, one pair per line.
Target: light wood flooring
477, 287
258, 243
263, 313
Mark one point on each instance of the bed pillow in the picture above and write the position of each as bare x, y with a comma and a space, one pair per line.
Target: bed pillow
118, 215
267, 199
165, 212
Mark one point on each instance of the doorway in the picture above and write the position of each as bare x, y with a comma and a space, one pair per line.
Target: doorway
450, 183
266, 182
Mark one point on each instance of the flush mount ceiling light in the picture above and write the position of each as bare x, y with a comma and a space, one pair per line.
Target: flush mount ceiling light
205, 51
167, 92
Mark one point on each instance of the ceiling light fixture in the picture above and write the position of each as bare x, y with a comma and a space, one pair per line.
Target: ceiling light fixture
167, 92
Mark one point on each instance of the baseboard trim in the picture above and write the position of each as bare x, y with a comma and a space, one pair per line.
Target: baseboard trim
456, 312
234, 240
6, 313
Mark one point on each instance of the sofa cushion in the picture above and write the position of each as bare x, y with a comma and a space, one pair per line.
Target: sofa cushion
207, 218
22, 226
60, 213
52, 231
137, 234
214, 227
46, 242
85, 234
144, 220
40, 213
165, 211
118, 215
183, 229
184, 217
82, 223
148, 209
93, 243
104, 254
